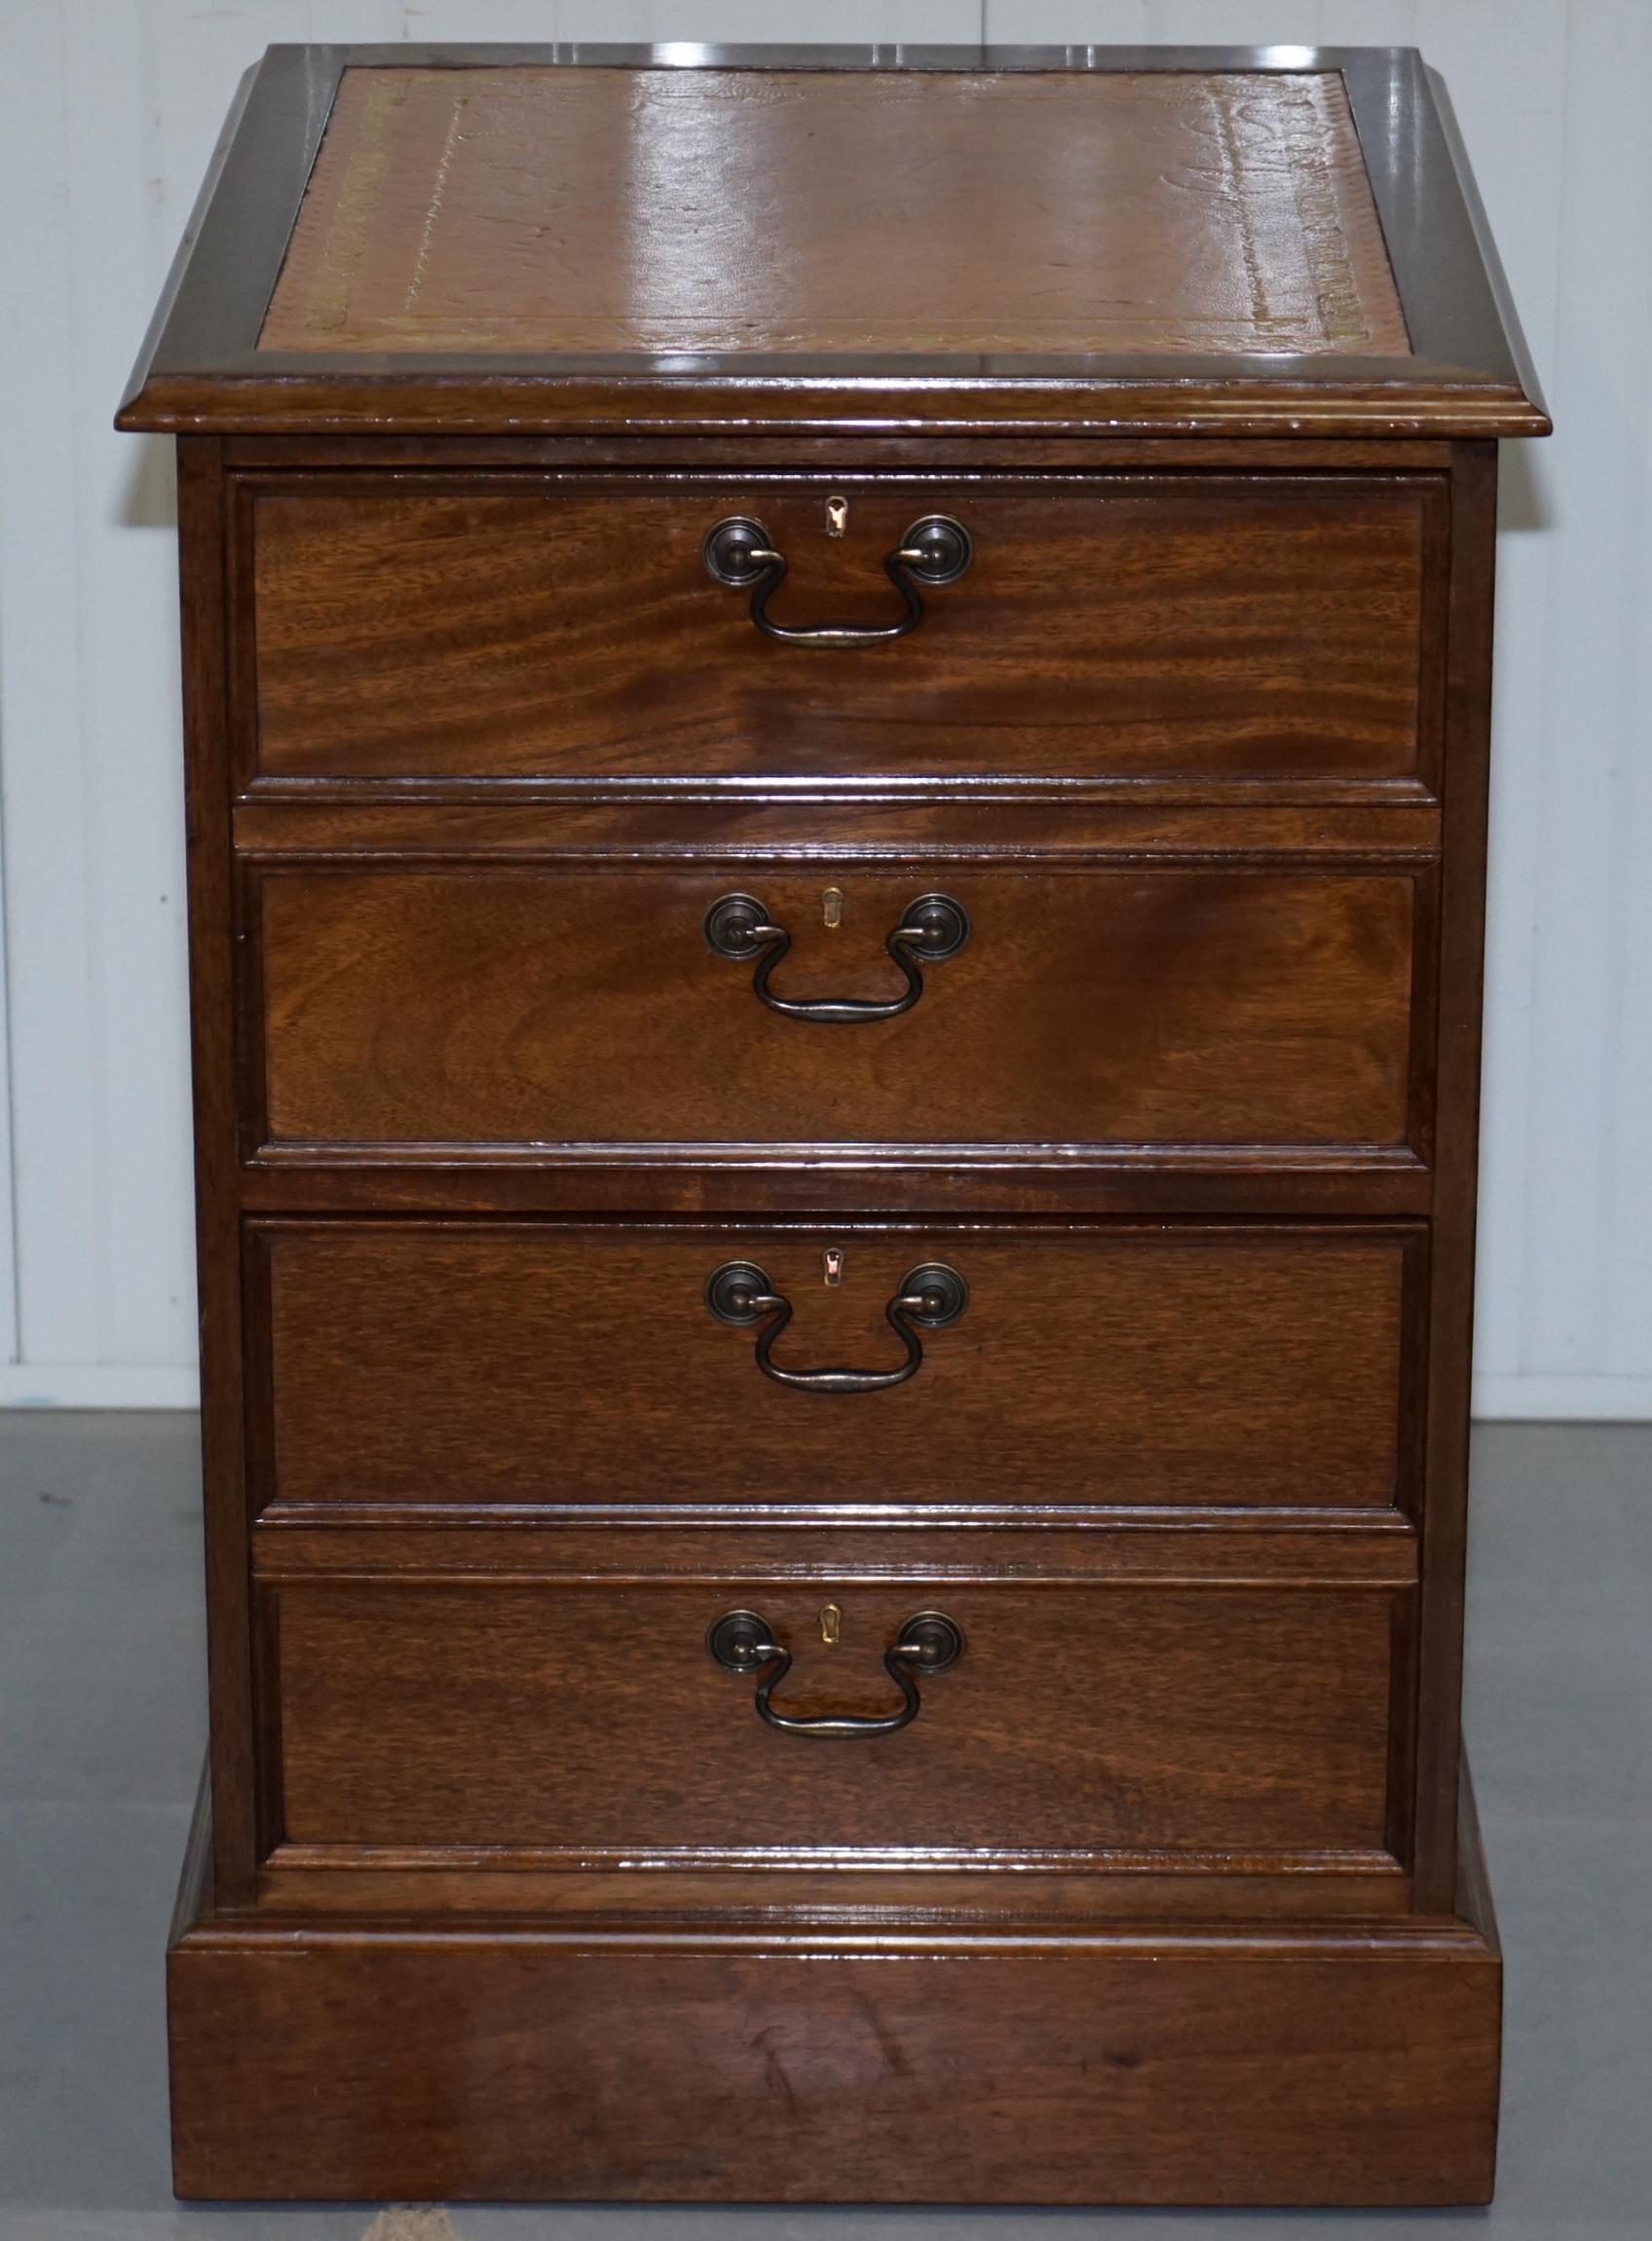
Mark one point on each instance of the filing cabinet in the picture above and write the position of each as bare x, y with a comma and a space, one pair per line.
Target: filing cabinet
837, 725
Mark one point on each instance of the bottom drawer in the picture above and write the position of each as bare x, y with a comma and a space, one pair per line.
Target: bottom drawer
591, 1725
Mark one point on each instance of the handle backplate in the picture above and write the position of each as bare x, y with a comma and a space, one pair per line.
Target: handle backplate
932, 1296
743, 1642
931, 929
737, 554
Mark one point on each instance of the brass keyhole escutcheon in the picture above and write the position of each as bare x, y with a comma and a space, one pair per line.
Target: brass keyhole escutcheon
832, 907
831, 1624
836, 517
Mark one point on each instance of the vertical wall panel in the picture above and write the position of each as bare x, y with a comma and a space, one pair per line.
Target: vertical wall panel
1551, 100
106, 120
1508, 88
131, 805
8, 1244
56, 993
1069, 23
762, 23
1372, 23
1596, 535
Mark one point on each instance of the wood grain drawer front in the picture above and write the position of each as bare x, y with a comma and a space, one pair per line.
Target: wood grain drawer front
596, 1720
534, 1361
464, 1008
1223, 626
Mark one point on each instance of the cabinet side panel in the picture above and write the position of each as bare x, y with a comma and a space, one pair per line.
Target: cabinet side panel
201, 536
1450, 1343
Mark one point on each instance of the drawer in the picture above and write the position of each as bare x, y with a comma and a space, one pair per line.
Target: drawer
594, 1722
534, 1361
465, 1006
519, 627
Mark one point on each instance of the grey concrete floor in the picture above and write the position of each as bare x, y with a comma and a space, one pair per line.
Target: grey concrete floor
101, 1742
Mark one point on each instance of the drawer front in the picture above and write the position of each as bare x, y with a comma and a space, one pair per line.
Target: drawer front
1222, 627
464, 1008
594, 1721
540, 1362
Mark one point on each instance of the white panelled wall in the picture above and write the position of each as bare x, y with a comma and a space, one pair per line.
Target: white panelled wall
108, 110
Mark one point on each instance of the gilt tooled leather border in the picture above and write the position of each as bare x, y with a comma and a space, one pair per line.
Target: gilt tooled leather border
1277, 138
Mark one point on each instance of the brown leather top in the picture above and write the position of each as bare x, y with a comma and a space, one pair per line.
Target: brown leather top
528, 210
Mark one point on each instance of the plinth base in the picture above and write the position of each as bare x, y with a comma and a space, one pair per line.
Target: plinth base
1263, 2064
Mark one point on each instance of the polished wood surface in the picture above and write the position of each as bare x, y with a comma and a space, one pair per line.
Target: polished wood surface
497, 210
1213, 2072
1457, 1015
1199, 741
1278, 357
1052, 1892
212, 1044
1313, 2063
1109, 1544
377, 1881
534, 1363
1218, 626
447, 1717
468, 1008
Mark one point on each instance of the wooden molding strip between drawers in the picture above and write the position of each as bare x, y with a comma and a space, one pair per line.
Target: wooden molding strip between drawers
1351, 1938
598, 1184
300, 1882
1308, 1548
1013, 448
896, 1861
770, 1155
662, 820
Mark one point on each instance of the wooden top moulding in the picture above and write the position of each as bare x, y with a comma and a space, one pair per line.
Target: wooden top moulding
1111, 241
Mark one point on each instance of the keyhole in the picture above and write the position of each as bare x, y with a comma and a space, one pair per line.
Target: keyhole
832, 1262
836, 517
832, 907
831, 1624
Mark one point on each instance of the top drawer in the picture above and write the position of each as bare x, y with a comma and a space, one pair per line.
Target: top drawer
1188, 627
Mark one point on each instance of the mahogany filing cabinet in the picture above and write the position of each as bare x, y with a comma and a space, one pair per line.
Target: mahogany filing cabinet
837, 735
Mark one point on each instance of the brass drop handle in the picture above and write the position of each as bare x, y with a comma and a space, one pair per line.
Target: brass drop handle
742, 1642
932, 927
930, 1298
935, 550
